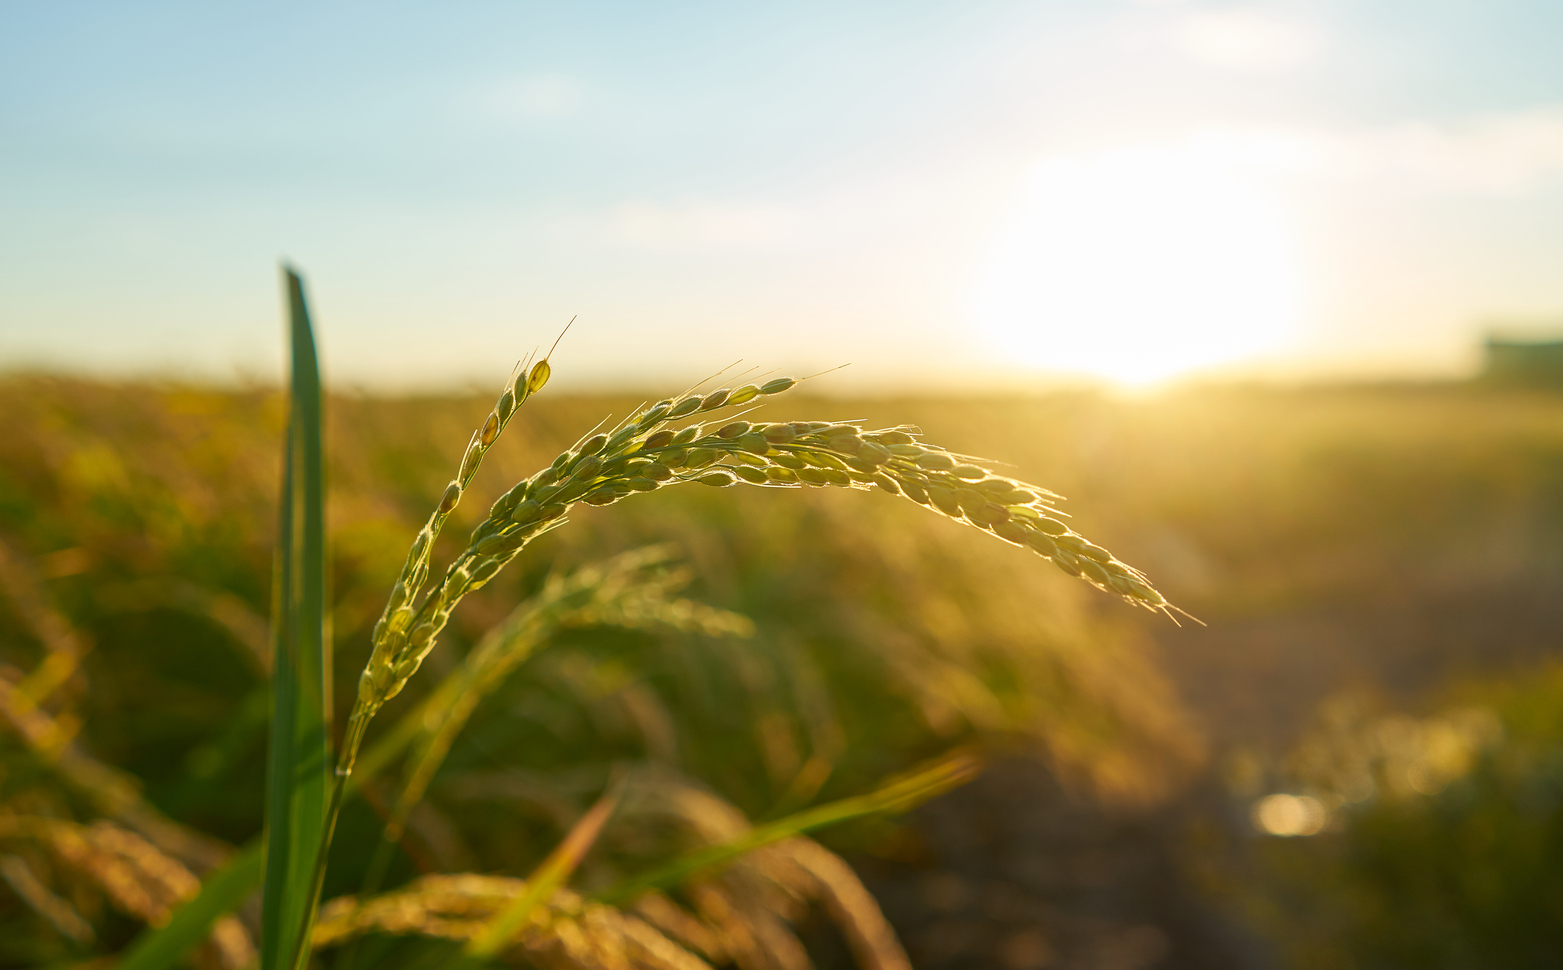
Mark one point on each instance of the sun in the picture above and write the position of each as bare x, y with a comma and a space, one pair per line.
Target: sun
1138, 266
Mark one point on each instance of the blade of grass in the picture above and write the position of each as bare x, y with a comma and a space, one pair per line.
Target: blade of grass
222, 893
297, 773
898, 795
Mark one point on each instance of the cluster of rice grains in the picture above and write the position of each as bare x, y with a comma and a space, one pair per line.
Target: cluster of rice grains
668, 443
566, 933
642, 455
137, 877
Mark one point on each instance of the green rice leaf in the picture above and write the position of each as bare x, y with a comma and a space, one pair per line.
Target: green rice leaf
298, 764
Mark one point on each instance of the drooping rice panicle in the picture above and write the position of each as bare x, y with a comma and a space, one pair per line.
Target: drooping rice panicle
566, 932
649, 451
644, 454
134, 875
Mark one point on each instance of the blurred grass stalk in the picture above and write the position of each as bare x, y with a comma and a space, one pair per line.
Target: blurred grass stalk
297, 771
549, 876
901, 794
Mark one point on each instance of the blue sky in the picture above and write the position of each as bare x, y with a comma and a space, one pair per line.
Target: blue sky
938, 192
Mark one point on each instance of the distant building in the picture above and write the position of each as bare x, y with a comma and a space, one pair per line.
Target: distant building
1524, 362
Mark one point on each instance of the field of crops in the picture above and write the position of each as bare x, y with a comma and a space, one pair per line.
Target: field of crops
1377, 570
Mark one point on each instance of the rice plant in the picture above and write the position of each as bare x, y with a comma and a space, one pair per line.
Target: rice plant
667, 443
716, 885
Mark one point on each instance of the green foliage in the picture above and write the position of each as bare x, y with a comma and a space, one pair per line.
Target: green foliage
1453, 857
719, 732
146, 515
298, 768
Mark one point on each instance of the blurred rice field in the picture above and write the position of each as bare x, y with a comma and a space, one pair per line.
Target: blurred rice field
1356, 555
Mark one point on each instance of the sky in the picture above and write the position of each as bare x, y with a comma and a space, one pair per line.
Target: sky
970, 194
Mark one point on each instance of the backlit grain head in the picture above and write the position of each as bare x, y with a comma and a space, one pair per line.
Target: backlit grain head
609, 467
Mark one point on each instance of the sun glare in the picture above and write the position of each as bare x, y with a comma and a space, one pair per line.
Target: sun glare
1138, 266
